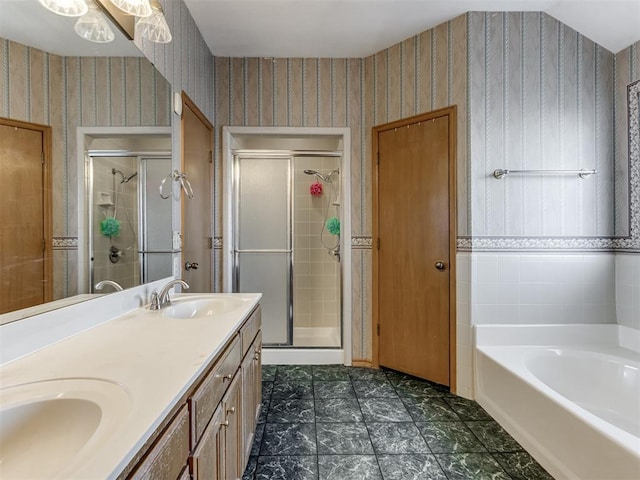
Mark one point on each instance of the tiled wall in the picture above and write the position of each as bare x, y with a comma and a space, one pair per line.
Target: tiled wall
124, 197
628, 289
316, 295
67, 92
530, 288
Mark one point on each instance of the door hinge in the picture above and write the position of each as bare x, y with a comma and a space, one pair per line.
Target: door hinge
42, 157
44, 245
378, 329
378, 158
378, 243
210, 243
210, 156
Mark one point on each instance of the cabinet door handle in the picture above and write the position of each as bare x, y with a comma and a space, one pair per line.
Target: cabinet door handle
231, 410
225, 423
228, 376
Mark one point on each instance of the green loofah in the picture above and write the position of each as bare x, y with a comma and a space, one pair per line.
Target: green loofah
333, 225
110, 227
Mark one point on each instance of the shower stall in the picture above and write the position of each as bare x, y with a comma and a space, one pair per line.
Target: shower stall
286, 242
130, 226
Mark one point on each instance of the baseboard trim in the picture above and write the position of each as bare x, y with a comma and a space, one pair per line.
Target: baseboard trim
302, 356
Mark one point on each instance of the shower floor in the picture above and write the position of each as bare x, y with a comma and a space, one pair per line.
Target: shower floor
316, 337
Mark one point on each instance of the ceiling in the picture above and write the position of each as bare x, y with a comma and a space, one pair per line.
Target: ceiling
358, 28
320, 28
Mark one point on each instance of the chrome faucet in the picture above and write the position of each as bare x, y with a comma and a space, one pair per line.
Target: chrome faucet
161, 299
116, 286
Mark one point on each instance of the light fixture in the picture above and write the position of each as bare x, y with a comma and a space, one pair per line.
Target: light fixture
67, 8
154, 27
93, 26
139, 8
139, 18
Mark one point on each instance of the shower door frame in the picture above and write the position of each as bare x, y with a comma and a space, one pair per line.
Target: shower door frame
84, 136
231, 136
91, 155
289, 155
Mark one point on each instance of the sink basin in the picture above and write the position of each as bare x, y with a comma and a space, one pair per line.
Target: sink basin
50, 427
204, 306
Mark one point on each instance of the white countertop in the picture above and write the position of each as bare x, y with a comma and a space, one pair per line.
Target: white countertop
155, 358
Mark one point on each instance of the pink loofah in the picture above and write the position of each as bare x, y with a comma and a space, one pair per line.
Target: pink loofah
315, 189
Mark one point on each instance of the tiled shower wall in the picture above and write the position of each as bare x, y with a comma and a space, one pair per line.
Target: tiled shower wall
67, 92
316, 282
124, 200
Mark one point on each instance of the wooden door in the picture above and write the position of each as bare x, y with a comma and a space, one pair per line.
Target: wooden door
197, 145
414, 250
25, 215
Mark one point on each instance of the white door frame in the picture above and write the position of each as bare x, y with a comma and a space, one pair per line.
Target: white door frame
229, 137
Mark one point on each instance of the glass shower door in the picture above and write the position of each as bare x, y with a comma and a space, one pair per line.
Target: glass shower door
263, 250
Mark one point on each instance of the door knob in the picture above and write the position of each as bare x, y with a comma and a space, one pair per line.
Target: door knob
190, 266
440, 265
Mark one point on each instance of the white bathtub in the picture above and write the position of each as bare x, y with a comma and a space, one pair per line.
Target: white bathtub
570, 394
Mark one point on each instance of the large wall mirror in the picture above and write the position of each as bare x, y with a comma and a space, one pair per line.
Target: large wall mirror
81, 93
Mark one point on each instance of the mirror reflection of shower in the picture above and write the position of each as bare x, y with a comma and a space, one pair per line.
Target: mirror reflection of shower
331, 221
118, 189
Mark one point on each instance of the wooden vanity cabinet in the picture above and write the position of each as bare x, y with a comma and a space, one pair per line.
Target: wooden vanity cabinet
221, 451
167, 457
210, 436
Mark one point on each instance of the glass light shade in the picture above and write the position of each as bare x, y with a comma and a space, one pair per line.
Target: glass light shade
67, 8
154, 27
93, 26
139, 8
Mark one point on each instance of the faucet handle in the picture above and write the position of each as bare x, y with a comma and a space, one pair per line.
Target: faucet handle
155, 301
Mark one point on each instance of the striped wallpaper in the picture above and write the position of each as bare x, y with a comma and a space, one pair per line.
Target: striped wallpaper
541, 98
67, 92
627, 70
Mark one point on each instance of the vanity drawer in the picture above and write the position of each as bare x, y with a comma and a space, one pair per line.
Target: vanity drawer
250, 329
205, 399
168, 455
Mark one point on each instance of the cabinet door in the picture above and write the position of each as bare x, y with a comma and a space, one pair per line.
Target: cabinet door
165, 459
232, 405
251, 394
207, 461
257, 378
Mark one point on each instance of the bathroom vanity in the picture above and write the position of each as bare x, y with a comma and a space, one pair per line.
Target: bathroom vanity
169, 394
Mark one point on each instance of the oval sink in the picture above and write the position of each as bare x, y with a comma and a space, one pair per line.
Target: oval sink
202, 307
51, 426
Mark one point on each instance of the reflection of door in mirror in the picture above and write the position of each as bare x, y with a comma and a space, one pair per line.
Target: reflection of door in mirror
197, 141
25, 215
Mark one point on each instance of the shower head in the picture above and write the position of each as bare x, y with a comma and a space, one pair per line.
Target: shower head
124, 179
324, 178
